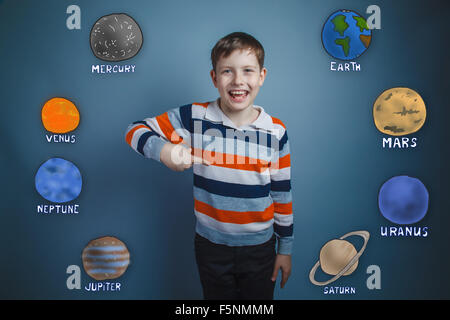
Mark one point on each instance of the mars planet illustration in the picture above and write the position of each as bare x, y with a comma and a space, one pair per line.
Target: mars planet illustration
339, 257
399, 111
403, 200
105, 258
60, 115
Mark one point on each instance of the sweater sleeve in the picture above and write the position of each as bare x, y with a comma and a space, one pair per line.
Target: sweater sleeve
148, 136
280, 191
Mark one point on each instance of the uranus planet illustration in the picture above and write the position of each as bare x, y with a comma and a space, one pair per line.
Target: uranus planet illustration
399, 111
338, 257
60, 115
105, 258
58, 180
116, 37
403, 200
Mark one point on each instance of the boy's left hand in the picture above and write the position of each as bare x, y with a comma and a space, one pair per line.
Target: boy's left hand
283, 262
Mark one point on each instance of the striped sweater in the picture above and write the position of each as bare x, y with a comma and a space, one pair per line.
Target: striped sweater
244, 196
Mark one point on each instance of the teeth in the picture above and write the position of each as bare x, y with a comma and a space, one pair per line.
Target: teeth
238, 92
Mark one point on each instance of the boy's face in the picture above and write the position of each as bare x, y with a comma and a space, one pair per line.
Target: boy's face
238, 78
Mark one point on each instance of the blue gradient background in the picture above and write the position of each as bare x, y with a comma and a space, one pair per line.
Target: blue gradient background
338, 163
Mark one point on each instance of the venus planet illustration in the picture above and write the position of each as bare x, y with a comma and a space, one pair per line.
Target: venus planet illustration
60, 115
339, 257
399, 111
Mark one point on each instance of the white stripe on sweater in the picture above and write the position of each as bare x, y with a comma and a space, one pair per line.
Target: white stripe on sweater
232, 175
284, 219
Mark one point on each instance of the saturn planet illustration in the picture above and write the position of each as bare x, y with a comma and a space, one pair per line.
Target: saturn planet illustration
339, 257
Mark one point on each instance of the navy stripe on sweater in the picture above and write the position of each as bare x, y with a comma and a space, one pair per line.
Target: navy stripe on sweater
283, 231
143, 139
142, 122
186, 116
231, 189
283, 140
283, 185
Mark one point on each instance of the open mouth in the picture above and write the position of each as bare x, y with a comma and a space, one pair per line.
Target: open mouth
238, 95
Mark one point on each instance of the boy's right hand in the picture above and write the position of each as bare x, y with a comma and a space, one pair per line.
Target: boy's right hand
178, 157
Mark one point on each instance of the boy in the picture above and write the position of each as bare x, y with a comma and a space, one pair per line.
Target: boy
242, 198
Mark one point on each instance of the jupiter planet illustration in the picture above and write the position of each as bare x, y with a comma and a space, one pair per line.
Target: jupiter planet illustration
399, 111
105, 258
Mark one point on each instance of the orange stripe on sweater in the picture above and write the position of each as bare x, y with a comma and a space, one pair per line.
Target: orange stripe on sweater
283, 162
167, 128
283, 208
130, 133
232, 161
234, 216
278, 121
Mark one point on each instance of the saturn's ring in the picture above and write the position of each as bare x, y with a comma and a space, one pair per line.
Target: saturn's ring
365, 235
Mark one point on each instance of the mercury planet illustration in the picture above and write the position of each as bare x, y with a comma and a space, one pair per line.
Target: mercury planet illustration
60, 115
339, 257
105, 258
116, 37
399, 111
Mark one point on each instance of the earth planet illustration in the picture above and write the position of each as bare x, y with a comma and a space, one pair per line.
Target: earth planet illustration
345, 35
339, 257
399, 111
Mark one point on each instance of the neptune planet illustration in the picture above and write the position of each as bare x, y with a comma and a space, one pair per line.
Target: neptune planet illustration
403, 200
58, 180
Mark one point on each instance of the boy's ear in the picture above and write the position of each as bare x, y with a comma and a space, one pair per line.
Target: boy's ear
213, 77
262, 76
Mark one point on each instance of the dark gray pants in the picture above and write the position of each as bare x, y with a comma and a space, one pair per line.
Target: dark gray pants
232, 273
